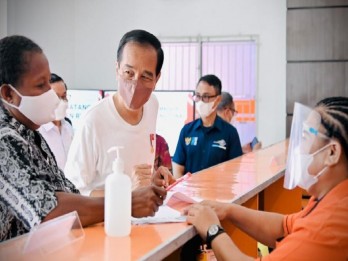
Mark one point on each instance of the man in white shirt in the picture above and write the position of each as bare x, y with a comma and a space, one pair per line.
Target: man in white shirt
59, 133
127, 119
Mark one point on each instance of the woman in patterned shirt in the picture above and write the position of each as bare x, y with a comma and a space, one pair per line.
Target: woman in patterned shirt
32, 187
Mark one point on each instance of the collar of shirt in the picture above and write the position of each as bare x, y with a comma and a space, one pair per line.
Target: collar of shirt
218, 124
48, 126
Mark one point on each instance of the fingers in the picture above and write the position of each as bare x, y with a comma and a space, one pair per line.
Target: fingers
146, 200
208, 203
141, 175
257, 146
162, 177
160, 192
142, 170
201, 217
142, 167
190, 209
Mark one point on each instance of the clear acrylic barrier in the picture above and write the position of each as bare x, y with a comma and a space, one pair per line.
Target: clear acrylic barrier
55, 239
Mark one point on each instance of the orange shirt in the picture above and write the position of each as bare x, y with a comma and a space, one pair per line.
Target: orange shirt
319, 232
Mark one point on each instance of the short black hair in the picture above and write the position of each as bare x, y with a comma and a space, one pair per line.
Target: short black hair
13, 58
226, 101
145, 38
212, 80
57, 78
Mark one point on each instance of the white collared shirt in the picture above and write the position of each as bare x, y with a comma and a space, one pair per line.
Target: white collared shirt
59, 142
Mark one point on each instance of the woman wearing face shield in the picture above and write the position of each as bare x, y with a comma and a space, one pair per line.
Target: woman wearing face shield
33, 189
318, 162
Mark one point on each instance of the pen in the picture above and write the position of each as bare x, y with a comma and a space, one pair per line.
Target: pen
185, 177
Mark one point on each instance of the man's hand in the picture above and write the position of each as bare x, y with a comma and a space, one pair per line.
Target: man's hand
146, 200
141, 176
162, 177
257, 146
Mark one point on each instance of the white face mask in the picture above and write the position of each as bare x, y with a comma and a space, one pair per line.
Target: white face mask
39, 109
204, 108
60, 112
302, 162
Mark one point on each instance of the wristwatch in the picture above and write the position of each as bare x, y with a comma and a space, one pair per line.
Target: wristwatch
213, 232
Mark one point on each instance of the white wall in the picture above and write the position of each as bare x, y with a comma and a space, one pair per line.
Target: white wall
80, 39
3, 18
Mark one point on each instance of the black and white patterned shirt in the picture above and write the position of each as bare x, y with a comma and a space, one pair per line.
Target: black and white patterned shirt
29, 178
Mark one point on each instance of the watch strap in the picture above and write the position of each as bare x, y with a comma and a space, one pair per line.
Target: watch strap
210, 238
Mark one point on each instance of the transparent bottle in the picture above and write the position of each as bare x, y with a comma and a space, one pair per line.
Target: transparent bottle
118, 199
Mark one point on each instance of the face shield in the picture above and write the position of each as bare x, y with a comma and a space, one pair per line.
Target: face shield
304, 132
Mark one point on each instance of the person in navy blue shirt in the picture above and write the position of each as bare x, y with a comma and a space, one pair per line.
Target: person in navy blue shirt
226, 110
208, 140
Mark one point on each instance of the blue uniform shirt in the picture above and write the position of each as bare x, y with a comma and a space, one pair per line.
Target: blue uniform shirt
201, 147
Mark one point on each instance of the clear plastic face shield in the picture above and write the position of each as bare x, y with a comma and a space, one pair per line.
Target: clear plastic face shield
304, 133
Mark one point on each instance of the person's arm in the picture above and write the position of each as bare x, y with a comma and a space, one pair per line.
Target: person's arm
225, 249
178, 170
90, 209
262, 226
202, 217
145, 202
265, 227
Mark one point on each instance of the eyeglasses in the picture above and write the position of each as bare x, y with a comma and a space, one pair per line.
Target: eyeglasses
310, 130
204, 98
234, 112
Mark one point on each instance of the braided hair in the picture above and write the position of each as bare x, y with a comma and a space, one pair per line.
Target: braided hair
334, 118
14, 51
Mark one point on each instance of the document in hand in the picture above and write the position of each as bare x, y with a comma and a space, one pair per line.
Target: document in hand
170, 211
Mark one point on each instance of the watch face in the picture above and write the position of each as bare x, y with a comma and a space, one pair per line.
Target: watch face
213, 229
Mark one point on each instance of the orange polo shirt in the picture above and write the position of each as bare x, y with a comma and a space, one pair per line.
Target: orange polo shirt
318, 232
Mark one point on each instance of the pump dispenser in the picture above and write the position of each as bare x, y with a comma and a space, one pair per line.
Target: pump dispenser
118, 196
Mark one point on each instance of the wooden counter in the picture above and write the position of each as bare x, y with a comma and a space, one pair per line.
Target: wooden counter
254, 180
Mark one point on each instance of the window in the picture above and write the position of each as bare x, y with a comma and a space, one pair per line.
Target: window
233, 61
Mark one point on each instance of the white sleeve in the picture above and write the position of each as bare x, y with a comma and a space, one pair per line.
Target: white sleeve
80, 167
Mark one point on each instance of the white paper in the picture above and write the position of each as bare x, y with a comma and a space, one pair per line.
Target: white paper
165, 213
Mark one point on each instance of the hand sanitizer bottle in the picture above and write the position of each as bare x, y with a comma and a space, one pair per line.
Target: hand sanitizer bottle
118, 199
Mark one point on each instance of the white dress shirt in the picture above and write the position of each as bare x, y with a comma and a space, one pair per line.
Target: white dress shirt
59, 142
